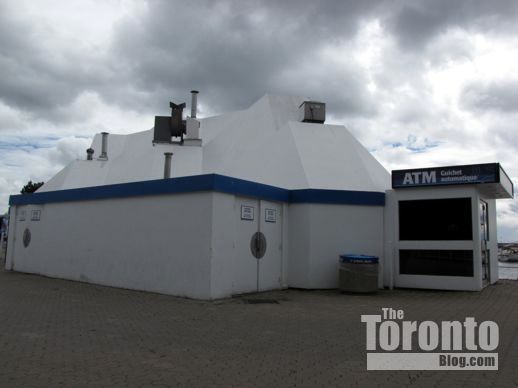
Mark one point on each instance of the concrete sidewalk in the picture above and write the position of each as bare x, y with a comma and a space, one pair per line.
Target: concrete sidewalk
61, 333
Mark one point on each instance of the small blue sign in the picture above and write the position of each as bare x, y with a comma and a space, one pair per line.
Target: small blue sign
358, 259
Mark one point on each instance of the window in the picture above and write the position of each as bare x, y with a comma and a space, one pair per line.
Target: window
435, 219
436, 262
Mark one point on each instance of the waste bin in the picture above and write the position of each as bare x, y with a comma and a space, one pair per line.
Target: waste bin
358, 273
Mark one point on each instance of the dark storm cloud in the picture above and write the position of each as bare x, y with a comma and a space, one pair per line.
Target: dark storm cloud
499, 96
415, 23
232, 51
235, 52
38, 78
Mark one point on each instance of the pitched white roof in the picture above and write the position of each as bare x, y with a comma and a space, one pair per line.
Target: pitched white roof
265, 143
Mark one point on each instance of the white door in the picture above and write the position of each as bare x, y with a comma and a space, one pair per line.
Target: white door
244, 278
251, 273
270, 265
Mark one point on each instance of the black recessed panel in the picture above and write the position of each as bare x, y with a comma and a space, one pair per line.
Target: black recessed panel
435, 219
436, 262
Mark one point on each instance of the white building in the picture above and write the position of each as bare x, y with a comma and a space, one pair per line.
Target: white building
311, 190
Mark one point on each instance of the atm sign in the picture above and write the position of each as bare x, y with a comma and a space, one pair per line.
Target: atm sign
420, 177
453, 175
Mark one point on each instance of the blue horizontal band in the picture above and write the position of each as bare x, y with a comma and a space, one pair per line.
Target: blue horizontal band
337, 196
197, 183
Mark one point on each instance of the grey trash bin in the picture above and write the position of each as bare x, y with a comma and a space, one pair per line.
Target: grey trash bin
358, 273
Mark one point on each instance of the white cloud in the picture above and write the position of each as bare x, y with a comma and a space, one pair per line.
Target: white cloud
37, 160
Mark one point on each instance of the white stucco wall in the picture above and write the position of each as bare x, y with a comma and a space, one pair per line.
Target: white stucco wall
299, 243
194, 245
152, 243
319, 233
223, 245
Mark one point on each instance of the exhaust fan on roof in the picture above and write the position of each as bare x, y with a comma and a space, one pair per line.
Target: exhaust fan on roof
168, 127
313, 112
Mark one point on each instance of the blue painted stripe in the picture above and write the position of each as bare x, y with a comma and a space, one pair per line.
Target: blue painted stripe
121, 190
225, 184
337, 196
196, 183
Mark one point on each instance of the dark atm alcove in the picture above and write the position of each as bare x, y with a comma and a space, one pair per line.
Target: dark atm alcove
435, 219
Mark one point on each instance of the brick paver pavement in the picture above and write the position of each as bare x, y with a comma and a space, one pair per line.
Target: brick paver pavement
61, 333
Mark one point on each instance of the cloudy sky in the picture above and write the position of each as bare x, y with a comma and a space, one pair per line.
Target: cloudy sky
420, 83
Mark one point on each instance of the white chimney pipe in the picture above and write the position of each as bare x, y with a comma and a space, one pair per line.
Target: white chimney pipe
167, 165
104, 147
194, 103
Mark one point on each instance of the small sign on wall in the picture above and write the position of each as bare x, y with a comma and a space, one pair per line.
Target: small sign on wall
270, 215
247, 213
35, 215
23, 214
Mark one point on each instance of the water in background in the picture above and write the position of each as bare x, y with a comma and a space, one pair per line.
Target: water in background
508, 270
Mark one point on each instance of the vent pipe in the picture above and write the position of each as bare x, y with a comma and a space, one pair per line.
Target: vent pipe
194, 103
167, 165
90, 154
104, 147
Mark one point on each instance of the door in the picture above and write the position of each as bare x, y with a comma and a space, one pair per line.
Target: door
244, 277
484, 239
258, 246
270, 265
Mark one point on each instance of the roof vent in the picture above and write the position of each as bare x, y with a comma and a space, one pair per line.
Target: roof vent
194, 103
104, 146
168, 127
313, 112
167, 164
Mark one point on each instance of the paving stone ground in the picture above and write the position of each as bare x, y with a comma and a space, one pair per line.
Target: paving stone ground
61, 333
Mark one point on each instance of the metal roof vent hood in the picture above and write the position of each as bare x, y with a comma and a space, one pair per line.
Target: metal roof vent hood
104, 146
192, 124
167, 165
168, 127
312, 112
194, 103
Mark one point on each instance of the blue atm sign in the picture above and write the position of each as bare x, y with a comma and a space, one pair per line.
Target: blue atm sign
453, 175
